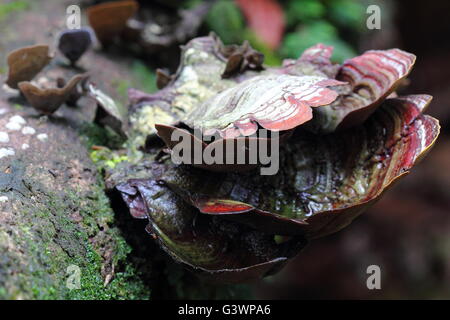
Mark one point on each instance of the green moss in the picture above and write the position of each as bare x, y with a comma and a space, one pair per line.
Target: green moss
122, 87
92, 134
125, 284
106, 159
143, 77
226, 20
37, 282
52, 241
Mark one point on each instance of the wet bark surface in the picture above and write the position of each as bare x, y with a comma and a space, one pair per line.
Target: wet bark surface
55, 216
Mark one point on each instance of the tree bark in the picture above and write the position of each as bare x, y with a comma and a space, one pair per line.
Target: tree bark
56, 222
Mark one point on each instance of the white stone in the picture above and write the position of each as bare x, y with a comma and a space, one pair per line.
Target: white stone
25, 146
15, 123
13, 126
4, 152
3, 111
17, 119
3, 199
42, 136
4, 137
28, 130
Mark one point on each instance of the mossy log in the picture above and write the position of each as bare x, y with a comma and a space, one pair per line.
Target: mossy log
57, 224
55, 217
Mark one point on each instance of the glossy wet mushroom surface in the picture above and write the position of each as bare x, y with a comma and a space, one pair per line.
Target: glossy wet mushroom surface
337, 159
324, 182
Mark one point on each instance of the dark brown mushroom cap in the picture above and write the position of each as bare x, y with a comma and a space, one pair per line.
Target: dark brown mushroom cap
74, 43
109, 19
216, 249
25, 63
47, 101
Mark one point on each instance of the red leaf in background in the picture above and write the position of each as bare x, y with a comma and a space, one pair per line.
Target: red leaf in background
265, 18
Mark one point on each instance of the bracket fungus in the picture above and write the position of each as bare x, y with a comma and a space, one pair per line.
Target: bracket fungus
324, 182
335, 159
341, 133
274, 102
220, 150
217, 249
372, 76
25, 63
